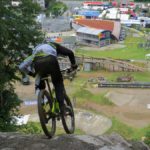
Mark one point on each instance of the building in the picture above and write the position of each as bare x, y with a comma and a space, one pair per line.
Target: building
123, 3
89, 13
40, 2
113, 26
117, 14
92, 5
90, 36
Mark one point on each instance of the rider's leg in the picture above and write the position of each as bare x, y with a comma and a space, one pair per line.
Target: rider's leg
39, 84
50, 65
57, 81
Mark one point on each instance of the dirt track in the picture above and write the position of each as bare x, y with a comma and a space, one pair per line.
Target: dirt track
131, 105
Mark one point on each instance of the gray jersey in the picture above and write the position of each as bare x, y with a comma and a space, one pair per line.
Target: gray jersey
44, 48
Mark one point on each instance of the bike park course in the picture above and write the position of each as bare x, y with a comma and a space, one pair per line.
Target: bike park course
88, 122
132, 106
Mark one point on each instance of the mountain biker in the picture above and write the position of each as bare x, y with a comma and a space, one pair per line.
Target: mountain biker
44, 61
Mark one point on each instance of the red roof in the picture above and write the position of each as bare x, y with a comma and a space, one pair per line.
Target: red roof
97, 24
93, 3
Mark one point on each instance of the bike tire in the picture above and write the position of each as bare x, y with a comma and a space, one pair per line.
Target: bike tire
70, 111
48, 122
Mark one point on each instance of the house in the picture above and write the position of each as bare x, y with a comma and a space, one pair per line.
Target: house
91, 36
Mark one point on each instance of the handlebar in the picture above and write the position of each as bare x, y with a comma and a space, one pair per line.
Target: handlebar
67, 70
68, 73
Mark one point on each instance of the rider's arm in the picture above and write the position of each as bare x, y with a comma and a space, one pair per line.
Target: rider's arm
25, 66
61, 50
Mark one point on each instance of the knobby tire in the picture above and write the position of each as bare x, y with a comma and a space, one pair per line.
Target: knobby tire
49, 131
63, 117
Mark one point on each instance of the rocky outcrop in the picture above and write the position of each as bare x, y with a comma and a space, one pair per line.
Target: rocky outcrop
17, 141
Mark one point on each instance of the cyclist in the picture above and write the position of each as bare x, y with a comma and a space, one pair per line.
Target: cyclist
44, 61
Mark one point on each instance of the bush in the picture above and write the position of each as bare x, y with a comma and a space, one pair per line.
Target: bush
9, 103
147, 138
31, 128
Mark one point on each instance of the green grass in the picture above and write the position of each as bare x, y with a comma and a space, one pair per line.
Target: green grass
127, 131
138, 76
84, 95
110, 76
35, 128
131, 51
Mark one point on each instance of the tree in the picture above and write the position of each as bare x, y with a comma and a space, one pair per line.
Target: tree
55, 8
58, 9
18, 30
48, 3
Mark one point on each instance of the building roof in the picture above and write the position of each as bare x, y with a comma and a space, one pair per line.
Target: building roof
89, 13
93, 3
91, 31
113, 26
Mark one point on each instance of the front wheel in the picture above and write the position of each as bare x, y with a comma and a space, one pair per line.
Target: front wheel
47, 120
67, 116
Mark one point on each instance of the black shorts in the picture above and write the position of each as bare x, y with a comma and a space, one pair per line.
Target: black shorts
48, 65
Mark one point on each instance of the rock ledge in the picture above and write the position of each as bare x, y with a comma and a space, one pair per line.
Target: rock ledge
17, 141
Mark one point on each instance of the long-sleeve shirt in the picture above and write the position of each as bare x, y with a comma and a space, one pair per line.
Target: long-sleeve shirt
61, 50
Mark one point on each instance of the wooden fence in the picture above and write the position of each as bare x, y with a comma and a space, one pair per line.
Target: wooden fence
90, 63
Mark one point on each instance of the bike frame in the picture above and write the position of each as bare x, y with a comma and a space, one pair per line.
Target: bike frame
55, 105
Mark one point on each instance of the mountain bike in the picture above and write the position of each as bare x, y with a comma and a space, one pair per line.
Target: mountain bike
49, 110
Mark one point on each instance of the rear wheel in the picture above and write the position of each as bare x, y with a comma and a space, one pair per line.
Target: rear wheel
47, 119
68, 119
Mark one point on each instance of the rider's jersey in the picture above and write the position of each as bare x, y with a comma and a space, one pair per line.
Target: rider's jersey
44, 50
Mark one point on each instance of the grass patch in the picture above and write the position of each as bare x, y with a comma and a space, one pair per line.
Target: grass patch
127, 131
110, 76
84, 95
35, 128
131, 51
138, 76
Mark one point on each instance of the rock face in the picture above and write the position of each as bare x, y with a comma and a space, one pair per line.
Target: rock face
17, 141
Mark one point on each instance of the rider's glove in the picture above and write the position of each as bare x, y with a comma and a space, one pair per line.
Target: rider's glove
74, 67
